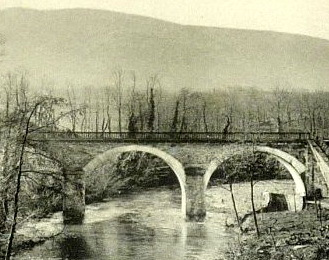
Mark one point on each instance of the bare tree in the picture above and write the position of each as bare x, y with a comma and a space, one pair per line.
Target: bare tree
231, 176
72, 102
251, 172
280, 101
204, 116
107, 108
159, 100
184, 94
150, 88
151, 112
174, 123
24, 123
118, 94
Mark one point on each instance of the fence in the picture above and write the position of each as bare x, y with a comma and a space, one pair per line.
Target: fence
173, 136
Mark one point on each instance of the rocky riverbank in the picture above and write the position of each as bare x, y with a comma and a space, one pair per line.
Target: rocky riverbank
286, 235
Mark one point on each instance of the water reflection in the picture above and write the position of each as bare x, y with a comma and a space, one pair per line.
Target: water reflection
147, 225
74, 247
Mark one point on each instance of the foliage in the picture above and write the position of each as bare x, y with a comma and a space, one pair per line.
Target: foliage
143, 170
175, 118
293, 235
151, 116
306, 246
23, 183
238, 167
132, 124
128, 172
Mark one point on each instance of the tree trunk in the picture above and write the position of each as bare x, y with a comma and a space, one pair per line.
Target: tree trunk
234, 207
119, 114
96, 122
253, 205
18, 187
204, 117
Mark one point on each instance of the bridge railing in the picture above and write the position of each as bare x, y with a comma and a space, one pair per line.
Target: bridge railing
172, 136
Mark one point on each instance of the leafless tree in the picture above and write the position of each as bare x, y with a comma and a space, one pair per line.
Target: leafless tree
72, 102
117, 94
280, 102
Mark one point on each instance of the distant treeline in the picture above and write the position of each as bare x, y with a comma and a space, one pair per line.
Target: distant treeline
128, 104
125, 105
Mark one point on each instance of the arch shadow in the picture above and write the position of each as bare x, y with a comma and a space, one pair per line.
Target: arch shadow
173, 163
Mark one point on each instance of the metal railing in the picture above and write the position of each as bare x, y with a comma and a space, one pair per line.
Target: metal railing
172, 136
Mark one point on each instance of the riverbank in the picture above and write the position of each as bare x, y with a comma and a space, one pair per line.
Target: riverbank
285, 235
33, 232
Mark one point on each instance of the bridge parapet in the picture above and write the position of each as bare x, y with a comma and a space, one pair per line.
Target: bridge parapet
174, 137
324, 146
322, 166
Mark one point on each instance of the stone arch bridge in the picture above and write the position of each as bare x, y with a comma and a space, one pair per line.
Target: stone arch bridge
193, 158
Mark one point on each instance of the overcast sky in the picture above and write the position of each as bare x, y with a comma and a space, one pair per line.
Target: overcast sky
307, 17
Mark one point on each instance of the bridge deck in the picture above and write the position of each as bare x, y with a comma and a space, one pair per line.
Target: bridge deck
188, 137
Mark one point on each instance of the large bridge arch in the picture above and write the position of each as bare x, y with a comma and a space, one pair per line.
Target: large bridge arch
173, 163
291, 163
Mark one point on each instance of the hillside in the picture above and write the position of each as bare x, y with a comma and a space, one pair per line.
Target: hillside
84, 47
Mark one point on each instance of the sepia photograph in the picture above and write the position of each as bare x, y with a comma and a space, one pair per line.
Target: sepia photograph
164, 129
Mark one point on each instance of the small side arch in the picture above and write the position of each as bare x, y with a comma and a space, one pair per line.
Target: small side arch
173, 163
292, 164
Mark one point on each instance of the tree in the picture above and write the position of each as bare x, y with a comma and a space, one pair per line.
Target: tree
132, 120
281, 103
150, 87
118, 94
184, 94
226, 128
24, 123
27, 115
151, 113
108, 117
204, 116
132, 125
175, 118
252, 184
231, 175
72, 102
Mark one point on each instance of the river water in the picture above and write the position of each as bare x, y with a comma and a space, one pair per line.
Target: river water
150, 225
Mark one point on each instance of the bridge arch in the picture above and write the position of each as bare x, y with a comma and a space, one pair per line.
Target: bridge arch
291, 163
173, 163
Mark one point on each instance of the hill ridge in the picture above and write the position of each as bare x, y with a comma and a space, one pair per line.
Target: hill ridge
84, 46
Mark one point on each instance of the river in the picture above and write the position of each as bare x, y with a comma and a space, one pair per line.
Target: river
149, 225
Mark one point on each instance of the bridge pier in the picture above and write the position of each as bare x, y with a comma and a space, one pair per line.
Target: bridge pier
195, 194
73, 196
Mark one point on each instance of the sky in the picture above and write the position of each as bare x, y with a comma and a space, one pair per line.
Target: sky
307, 17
